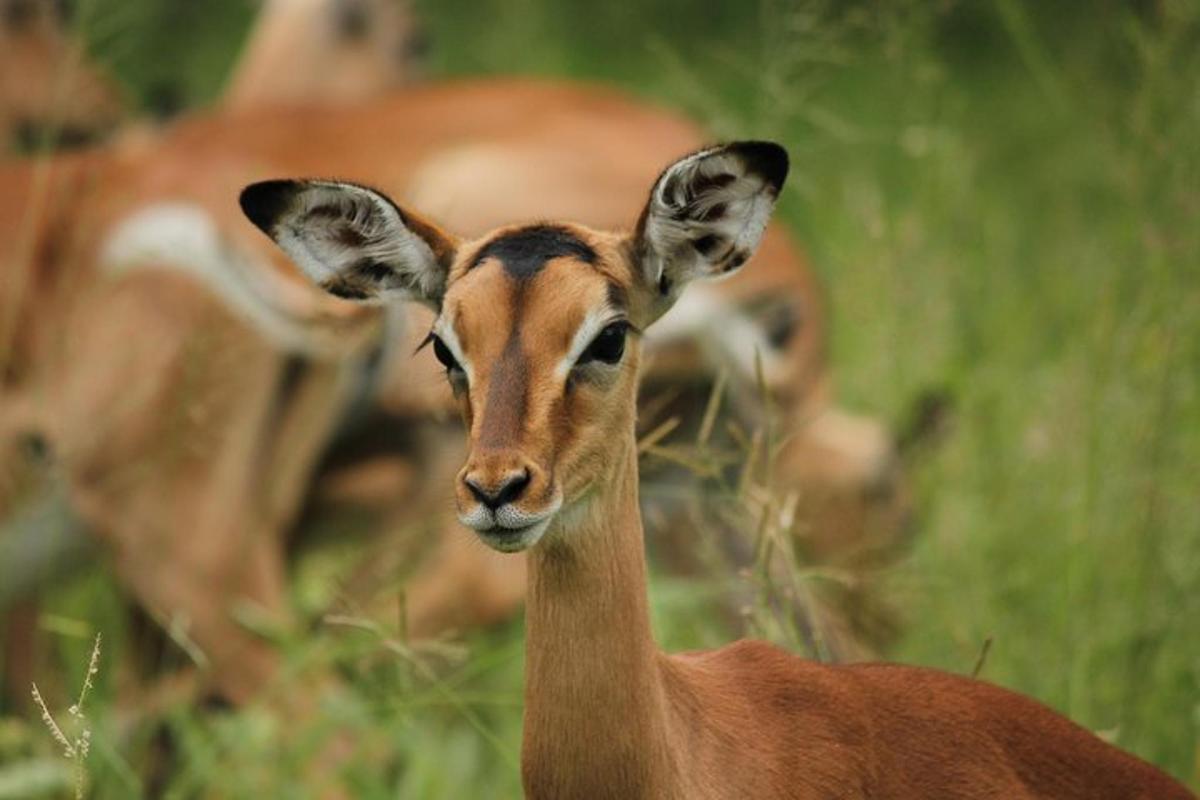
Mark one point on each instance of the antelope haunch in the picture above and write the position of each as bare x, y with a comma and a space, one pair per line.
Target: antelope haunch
539, 330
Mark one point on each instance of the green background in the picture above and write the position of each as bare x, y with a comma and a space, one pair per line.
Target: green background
1003, 200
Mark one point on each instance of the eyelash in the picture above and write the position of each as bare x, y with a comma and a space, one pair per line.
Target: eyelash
604, 348
609, 352
443, 354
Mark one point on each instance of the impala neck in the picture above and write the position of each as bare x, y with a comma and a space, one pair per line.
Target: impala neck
595, 709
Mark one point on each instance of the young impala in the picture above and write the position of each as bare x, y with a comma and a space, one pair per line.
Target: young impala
139, 314
539, 328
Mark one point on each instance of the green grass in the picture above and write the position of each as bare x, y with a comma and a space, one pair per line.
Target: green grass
1004, 203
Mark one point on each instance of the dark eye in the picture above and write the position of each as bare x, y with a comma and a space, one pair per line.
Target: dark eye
608, 346
444, 355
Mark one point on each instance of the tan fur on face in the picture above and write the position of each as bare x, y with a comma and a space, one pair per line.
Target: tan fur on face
523, 411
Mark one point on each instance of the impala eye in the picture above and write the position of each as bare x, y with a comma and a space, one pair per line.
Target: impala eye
444, 355
608, 346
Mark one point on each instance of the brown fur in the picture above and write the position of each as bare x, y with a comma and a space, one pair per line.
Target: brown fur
568, 145
609, 716
301, 52
852, 511
47, 85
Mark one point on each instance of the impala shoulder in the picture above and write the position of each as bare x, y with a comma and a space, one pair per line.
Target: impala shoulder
767, 680
783, 715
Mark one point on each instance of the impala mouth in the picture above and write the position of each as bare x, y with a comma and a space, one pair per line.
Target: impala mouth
507, 529
513, 540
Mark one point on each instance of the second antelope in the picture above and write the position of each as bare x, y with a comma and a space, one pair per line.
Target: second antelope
539, 330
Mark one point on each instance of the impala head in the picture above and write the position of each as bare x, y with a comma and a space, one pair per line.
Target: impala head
385, 31
50, 93
538, 326
307, 51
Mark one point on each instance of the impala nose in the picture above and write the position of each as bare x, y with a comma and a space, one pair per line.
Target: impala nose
506, 490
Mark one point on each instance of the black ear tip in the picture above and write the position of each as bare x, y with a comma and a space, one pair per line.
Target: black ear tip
767, 159
265, 202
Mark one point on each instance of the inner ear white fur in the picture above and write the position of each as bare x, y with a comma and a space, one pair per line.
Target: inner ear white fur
707, 212
350, 240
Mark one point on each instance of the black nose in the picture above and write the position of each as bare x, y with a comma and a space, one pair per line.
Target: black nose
507, 491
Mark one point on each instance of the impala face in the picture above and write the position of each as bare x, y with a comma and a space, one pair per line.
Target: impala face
538, 325
539, 343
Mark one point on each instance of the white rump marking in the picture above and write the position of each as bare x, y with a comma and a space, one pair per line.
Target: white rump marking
183, 238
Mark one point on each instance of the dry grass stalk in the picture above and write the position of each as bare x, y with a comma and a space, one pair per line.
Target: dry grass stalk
74, 749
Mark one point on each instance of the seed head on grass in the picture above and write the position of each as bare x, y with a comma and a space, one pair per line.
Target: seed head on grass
74, 749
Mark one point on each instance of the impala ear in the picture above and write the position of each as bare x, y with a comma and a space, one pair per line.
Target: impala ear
707, 213
352, 241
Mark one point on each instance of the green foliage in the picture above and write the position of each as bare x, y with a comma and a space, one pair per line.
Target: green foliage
1003, 200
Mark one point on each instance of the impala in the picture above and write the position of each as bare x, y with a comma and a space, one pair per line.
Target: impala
299, 52
539, 329
142, 222
126, 273
49, 91
325, 53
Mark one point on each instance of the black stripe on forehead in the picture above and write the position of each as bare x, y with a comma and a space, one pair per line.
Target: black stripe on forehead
525, 251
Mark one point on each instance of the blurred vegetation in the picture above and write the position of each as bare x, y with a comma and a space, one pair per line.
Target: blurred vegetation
1003, 198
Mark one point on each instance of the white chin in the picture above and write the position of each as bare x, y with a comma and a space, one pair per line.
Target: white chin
514, 540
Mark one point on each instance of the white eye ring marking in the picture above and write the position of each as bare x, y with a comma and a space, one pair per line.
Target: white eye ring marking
444, 330
596, 320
